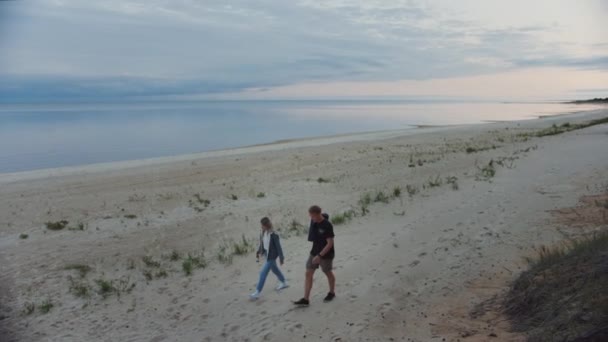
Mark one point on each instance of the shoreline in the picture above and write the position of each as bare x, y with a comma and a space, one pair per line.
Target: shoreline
262, 147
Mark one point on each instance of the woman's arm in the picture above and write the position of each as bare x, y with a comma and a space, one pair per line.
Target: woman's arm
279, 248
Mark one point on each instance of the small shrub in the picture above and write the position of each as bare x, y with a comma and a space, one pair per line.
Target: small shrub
148, 275
487, 171
343, 217
322, 180
59, 225
224, 255
397, 192
261, 195
29, 308
174, 256
435, 182
381, 197
104, 287
200, 200
23, 236
46, 306
243, 247
150, 262
79, 289
453, 180
234, 197
187, 266
411, 190
161, 274
130, 216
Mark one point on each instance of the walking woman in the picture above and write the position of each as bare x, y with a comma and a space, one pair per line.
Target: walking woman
270, 249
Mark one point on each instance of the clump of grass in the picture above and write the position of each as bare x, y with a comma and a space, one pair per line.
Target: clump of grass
193, 261
46, 306
130, 216
23, 236
381, 197
323, 180
82, 269
224, 254
561, 297
342, 218
106, 288
487, 172
397, 191
28, 308
79, 289
411, 163
452, 180
148, 275
435, 182
174, 256
242, 247
58, 225
411, 190
364, 203
261, 195
296, 227
150, 262
201, 200
161, 274
234, 197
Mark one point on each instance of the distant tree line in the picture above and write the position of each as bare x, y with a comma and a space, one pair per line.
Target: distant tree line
595, 100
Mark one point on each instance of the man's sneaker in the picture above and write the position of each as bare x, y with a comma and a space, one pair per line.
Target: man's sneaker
330, 296
255, 295
282, 285
302, 302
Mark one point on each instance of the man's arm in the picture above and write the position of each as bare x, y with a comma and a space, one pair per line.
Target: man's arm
330, 244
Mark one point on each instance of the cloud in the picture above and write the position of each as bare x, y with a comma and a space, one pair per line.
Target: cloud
68, 48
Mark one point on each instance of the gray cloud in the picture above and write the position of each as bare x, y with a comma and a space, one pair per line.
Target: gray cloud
112, 48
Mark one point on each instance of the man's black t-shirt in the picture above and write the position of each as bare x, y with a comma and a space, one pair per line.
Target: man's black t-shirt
320, 233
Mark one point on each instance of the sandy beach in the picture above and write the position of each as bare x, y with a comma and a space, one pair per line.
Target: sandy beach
411, 265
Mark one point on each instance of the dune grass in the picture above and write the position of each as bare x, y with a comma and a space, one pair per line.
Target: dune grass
562, 297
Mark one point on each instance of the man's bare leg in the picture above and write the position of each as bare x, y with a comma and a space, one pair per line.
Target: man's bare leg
308, 283
331, 278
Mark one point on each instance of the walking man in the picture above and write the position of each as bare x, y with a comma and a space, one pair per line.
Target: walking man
322, 254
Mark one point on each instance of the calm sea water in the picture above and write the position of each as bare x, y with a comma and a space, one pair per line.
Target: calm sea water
46, 136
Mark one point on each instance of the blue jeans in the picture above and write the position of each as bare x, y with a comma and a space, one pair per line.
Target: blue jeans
269, 265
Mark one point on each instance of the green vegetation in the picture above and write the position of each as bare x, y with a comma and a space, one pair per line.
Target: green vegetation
563, 128
453, 180
130, 216
191, 262
28, 308
323, 180
435, 182
59, 225
261, 195
106, 288
342, 218
228, 249
397, 191
411, 190
46, 306
23, 236
381, 197
79, 289
562, 297
487, 171
174, 256
234, 197
150, 262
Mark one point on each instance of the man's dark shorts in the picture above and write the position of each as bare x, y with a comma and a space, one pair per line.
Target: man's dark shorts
326, 264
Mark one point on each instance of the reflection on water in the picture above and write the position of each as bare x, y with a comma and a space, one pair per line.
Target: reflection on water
44, 136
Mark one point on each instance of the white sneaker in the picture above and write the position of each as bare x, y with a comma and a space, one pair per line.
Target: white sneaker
255, 295
281, 286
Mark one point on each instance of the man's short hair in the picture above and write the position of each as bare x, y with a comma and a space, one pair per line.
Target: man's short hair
265, 221
315, 209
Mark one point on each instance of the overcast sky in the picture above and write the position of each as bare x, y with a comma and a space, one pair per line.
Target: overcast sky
115, 49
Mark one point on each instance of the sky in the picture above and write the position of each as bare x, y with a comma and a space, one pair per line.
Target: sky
113, 50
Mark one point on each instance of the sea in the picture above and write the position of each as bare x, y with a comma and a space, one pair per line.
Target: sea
40, 136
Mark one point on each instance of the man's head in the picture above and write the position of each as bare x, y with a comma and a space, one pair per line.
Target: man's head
315, 213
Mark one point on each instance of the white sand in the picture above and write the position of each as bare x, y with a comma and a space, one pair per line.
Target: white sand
411, 269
